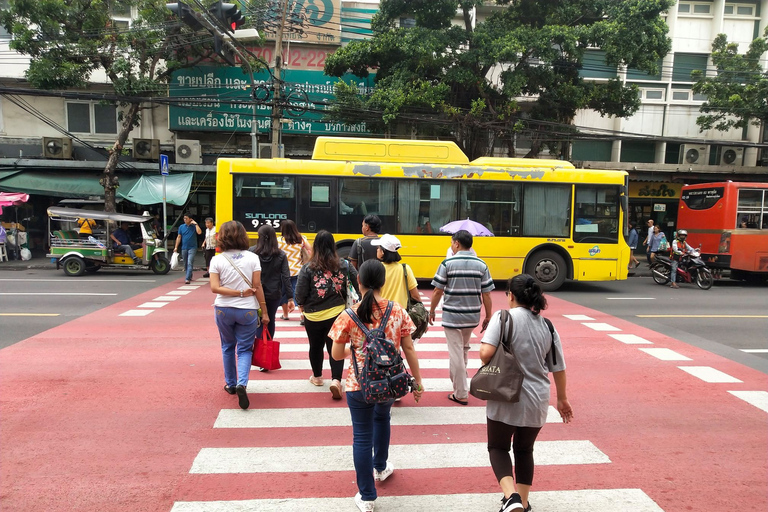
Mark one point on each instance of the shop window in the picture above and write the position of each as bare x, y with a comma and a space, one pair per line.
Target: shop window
91, 118
494, 205
597, 214
425, 206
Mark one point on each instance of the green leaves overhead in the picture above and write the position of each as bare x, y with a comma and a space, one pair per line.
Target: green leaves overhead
458, 71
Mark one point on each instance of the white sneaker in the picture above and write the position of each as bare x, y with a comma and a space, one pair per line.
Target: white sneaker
380, 476
364, 506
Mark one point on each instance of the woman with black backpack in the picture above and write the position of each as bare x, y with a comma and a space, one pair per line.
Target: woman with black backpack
368, 418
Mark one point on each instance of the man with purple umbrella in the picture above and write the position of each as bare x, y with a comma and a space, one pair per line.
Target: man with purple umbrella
465, 284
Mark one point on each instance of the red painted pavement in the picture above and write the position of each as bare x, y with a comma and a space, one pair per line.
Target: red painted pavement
108, 413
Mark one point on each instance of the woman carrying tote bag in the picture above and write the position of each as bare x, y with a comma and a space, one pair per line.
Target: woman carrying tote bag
518, 424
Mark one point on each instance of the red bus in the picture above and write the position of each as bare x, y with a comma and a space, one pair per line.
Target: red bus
730, 221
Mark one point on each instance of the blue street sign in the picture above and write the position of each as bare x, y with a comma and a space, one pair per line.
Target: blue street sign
164, 165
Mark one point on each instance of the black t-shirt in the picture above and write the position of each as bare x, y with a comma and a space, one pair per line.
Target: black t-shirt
362, 249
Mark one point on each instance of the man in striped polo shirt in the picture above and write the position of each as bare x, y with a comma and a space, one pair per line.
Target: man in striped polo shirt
465, 285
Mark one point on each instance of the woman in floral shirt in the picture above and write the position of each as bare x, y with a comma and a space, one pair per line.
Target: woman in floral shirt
321, 294
368, 419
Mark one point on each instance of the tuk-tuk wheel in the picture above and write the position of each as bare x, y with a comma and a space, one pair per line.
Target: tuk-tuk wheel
160, 265
73, 266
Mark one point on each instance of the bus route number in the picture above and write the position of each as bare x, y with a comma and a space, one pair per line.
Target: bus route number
266, 219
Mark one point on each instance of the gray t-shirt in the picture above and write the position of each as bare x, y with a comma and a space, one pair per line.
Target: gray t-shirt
532, 344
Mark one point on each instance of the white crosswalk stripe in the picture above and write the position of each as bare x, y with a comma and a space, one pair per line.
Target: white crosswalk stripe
426, 364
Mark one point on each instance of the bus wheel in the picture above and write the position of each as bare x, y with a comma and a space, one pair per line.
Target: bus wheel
548, 269
343, 251
73, 266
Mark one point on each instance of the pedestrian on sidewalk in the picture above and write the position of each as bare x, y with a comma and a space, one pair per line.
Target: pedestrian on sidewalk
539, 351
236, 281
298, 251
632, 240
209, 244
321, 295
647, 242
187, 240
371, 422
275, 276
465, 284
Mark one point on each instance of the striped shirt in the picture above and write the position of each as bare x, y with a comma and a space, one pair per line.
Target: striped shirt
463, 279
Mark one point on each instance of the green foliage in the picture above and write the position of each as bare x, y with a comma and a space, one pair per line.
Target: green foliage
476, 82
738, 94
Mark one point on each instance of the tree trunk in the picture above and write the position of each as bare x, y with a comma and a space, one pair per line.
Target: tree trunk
110, 181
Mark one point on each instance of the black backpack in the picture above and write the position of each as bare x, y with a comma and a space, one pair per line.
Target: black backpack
383, 376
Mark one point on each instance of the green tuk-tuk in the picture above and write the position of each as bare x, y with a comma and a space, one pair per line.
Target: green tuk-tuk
77, 253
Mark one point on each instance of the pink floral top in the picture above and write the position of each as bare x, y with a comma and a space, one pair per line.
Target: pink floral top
344, 330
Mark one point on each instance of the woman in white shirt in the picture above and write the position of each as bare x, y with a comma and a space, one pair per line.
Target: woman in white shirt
236, 281
209, 244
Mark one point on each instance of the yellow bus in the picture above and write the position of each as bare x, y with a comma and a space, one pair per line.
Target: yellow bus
548, 219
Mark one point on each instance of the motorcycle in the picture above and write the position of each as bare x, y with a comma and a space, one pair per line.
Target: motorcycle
691, 269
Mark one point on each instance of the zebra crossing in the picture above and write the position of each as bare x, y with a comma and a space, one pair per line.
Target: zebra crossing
296, 434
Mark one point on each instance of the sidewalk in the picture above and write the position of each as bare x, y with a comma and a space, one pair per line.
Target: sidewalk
41, 262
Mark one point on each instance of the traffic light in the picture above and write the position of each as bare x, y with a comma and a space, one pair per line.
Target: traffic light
228, 14
186, 14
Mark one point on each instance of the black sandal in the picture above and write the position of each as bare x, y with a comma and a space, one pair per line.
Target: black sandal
229, 389
453, 398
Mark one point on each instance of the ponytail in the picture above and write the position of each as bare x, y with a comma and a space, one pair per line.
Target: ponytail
372, 275
527, 293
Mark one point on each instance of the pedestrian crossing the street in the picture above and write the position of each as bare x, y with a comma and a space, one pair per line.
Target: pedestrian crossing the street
296, 434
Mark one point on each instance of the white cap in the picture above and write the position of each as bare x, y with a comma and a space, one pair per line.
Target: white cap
388, 242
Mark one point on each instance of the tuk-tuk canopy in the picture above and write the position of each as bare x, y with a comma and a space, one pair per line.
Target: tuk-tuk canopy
57, 212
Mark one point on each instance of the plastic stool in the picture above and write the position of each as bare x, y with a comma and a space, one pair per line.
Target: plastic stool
3, 253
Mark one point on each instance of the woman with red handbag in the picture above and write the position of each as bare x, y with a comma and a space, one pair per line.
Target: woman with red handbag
236, 281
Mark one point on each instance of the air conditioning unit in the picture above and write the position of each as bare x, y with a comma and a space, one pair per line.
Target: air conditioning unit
146, 149
57, 147
731, 155
188, 152
265, 151
694, 154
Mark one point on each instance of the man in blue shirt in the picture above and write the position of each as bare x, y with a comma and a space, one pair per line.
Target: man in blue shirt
187, 239
122, 241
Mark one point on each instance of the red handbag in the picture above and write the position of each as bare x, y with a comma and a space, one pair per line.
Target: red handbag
266, 351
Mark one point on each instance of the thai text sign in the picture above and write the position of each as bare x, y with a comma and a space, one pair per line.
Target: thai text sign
307, 21
655, 190
218, 99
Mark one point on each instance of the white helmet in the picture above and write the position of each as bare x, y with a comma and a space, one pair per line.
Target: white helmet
682, 232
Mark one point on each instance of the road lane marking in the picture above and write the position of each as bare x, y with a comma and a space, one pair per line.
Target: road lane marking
30, 314
708, 374
167, 297
757, 398
755, 350
303, 348
305, 459
665, 354
600, 326
630, 339
579, 318
58, 294
188, 287
424, 364
136, 312
177, 292
89, 280
152, 305
581, 500
304, 386
630, 298
439, 334
339, 416
702, 316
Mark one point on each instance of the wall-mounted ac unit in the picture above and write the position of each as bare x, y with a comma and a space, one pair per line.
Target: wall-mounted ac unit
731, 155
146, 149
694, 154
57, 147
188, 152
265, 151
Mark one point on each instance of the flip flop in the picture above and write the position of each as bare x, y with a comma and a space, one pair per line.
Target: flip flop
453, 398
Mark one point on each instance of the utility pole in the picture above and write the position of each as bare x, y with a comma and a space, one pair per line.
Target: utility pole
277, 113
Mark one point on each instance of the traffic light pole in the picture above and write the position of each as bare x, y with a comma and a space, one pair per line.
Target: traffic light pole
277, 113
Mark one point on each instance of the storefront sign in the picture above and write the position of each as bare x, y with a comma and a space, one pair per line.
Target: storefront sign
654, 190
307, 21
218, 99
659, 207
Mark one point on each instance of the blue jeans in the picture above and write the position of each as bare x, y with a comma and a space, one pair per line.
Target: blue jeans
370, 431
237, 330
284, 298
673, 272
188, 257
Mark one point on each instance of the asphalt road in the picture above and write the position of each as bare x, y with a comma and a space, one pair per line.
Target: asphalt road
35, 300
727, 319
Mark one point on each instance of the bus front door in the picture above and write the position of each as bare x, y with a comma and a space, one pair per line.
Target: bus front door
318, 204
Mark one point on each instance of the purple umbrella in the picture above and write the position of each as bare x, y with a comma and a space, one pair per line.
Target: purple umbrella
474, 228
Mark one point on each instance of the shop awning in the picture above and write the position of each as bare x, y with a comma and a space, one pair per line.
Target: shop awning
136, 188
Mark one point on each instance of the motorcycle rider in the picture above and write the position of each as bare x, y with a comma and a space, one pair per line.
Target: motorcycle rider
680, 249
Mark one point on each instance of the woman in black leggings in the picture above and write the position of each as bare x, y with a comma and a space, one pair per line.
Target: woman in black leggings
516, 425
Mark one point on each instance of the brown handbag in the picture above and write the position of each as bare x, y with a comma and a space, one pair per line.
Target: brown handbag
502, 378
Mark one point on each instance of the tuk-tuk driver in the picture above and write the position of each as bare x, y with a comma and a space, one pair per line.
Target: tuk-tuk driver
122, 241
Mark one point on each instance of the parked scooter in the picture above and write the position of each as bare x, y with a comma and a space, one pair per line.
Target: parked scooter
691, 269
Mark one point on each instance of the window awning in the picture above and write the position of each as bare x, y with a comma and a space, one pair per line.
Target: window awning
139, 189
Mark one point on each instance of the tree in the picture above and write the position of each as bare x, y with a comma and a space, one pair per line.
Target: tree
487, 79
70, 40
738, 94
